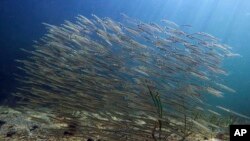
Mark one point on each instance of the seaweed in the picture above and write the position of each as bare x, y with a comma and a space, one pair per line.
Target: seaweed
157, 103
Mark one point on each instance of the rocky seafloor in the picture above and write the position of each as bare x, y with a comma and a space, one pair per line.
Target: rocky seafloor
38, 126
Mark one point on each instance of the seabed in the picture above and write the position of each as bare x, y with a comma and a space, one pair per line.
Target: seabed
17, 126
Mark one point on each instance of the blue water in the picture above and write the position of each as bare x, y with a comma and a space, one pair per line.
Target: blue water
20, 24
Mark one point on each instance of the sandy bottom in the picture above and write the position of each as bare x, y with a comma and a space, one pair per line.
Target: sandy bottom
36, 126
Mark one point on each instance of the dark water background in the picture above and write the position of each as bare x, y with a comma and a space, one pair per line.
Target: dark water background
21, 23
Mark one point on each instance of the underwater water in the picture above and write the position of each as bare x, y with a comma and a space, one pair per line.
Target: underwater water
21, 25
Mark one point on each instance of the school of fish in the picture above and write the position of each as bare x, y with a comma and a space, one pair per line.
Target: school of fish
126, 80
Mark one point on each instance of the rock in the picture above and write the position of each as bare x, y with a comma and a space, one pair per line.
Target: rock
68, 133
34, 127
2, 123
205, 138
10, 133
